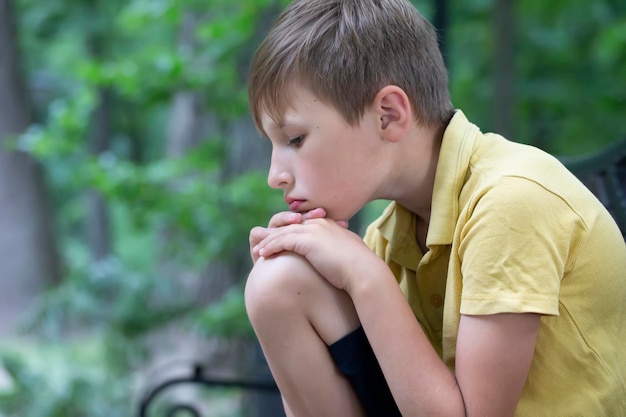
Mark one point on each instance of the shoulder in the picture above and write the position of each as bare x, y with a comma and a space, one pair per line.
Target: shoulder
521, 217
513, 182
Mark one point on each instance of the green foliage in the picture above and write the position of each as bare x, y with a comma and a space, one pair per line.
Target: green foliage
44, 380
568, 59
226, 318
104, 295
167, 214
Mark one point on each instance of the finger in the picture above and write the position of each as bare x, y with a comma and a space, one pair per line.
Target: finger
284, 218
275, 245
281, 239
316, 213
342, 223
257, 234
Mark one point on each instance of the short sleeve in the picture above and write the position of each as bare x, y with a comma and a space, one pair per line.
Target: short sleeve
515, 248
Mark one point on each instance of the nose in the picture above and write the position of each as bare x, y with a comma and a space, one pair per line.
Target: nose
279, 175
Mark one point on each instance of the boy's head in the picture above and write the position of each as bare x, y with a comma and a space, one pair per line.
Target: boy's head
344, 52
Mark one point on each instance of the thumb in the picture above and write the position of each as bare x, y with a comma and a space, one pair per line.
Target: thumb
342, 223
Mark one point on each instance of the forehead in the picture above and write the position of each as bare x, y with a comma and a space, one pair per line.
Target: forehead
299, 104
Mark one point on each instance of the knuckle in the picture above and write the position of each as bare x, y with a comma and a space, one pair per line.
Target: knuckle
256, 232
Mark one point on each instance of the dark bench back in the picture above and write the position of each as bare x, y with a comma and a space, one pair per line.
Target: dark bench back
604, 173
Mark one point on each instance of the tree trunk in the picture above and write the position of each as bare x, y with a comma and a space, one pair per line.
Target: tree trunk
504, 68
28, 257
97, 224
441, 23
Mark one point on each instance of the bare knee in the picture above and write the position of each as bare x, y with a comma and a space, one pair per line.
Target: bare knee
274, 285
286, 289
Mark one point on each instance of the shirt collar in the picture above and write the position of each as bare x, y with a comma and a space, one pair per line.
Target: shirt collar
454, 157
398, 229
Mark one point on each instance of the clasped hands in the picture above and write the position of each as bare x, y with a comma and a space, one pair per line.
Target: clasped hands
328, 245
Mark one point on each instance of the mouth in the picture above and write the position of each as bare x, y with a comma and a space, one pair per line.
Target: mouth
295, 204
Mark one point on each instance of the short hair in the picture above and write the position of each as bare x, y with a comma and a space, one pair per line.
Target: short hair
345, 51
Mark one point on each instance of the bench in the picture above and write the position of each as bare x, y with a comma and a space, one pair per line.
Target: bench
604, 173
196, 374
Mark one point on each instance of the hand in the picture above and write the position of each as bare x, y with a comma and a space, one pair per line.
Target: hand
284, 218
335, 252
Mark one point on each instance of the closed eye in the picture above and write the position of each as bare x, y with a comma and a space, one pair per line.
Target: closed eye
297, 141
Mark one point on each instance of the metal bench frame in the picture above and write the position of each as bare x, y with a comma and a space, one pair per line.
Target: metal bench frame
197, 376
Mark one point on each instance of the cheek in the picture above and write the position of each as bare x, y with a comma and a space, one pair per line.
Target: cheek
332, 174
323, 183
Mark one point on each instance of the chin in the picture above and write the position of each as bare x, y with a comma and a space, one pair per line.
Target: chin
337, 215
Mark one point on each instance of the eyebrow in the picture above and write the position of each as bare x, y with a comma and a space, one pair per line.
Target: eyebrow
271, 124
281, 124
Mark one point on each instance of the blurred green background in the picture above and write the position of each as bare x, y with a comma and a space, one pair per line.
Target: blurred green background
130, 172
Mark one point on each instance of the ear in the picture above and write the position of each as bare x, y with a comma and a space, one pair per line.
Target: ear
394, 111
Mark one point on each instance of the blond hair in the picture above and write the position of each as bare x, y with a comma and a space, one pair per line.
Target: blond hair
344, 52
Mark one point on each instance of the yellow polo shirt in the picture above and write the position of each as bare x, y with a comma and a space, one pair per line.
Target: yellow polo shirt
511, 230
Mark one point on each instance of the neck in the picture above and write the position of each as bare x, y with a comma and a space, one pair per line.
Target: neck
413, 173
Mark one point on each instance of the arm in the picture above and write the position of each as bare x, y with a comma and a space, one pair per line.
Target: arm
494, 354
493, 357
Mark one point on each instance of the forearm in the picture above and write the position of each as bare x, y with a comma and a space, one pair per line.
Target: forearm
420, 382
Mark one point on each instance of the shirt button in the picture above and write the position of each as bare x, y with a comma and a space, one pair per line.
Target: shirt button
436, 300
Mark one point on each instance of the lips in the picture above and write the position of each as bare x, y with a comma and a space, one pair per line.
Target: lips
294, 204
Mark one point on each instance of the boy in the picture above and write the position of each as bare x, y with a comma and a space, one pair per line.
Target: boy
493, 284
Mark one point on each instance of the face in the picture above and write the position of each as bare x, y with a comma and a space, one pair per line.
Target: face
319, 160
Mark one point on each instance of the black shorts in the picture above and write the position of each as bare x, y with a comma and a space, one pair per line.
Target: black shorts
356, 360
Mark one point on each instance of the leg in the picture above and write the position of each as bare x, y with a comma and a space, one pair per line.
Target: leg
296, 314
288, 412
